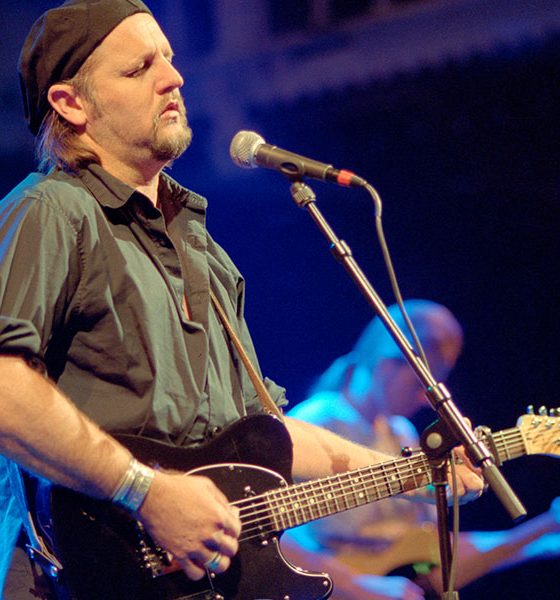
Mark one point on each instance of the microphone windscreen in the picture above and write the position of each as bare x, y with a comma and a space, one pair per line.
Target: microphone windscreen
243, 148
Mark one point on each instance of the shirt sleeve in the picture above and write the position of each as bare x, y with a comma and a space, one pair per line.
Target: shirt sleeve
38, 261
19, 337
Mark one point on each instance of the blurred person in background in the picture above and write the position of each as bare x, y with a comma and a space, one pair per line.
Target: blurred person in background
369, 396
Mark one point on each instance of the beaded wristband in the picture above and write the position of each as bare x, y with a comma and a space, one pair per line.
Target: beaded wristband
134, 485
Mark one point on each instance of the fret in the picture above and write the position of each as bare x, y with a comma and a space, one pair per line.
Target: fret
332, 496
421, 473
315, 499
282, 509
287, 508
318, 500
338, 492
358, 488
307, 505
307, 499
385, 487
353, 493
263, 519
312, 501
398, 481
375, 490
343, 479
275, 511
363, 493
298, 505
324, 503
512, 448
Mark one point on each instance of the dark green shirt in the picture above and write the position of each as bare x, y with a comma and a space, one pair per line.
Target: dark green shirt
92, 280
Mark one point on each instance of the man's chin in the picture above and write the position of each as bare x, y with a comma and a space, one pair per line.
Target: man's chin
173, 145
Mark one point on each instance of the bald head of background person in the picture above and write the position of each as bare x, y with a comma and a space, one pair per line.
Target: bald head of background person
375, 375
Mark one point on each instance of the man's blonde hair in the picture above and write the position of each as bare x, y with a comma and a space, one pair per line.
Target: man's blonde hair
58, 144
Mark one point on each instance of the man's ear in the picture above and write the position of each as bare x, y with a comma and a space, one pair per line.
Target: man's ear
68, 103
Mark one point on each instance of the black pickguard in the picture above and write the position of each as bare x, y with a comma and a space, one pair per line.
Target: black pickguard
106, 555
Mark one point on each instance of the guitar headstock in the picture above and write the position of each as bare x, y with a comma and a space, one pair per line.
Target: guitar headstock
541, 431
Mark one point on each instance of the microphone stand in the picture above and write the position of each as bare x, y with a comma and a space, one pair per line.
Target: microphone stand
451, 429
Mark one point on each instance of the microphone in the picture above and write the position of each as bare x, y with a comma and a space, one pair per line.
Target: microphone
249, 150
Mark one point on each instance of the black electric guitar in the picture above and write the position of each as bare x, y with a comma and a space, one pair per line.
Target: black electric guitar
107, 555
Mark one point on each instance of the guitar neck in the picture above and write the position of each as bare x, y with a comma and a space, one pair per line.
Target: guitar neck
509, 444
300, 503
303, 502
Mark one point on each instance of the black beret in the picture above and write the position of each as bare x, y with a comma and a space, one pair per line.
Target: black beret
59, 43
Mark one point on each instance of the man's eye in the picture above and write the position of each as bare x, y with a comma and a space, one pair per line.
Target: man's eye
138, 71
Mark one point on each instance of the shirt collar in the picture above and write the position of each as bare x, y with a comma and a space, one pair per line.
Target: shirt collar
107, 189
113, 193
169, 188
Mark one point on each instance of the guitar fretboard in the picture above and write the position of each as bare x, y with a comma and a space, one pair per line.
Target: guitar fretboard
304, 502
290, 506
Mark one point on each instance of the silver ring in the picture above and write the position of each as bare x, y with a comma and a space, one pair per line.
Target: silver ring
214, 562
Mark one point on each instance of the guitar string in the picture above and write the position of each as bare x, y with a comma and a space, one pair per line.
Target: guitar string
336, 481
301, 492
270, 520
338, 487
349, 475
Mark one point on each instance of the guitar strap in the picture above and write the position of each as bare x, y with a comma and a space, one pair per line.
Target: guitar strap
266, 401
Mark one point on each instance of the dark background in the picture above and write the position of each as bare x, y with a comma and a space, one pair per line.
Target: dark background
465, 154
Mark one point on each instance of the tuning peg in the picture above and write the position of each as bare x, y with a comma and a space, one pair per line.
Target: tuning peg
530, 409
542, 411
553, 412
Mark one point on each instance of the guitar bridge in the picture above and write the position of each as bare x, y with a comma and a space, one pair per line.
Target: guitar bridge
153, 558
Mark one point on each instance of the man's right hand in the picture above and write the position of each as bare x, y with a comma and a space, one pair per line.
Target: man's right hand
193, 520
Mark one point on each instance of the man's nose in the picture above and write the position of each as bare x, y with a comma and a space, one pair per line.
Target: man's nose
170, 79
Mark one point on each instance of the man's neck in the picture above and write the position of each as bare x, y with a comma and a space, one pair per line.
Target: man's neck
142, 180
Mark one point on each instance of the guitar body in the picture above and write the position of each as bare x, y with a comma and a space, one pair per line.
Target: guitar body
107, 555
